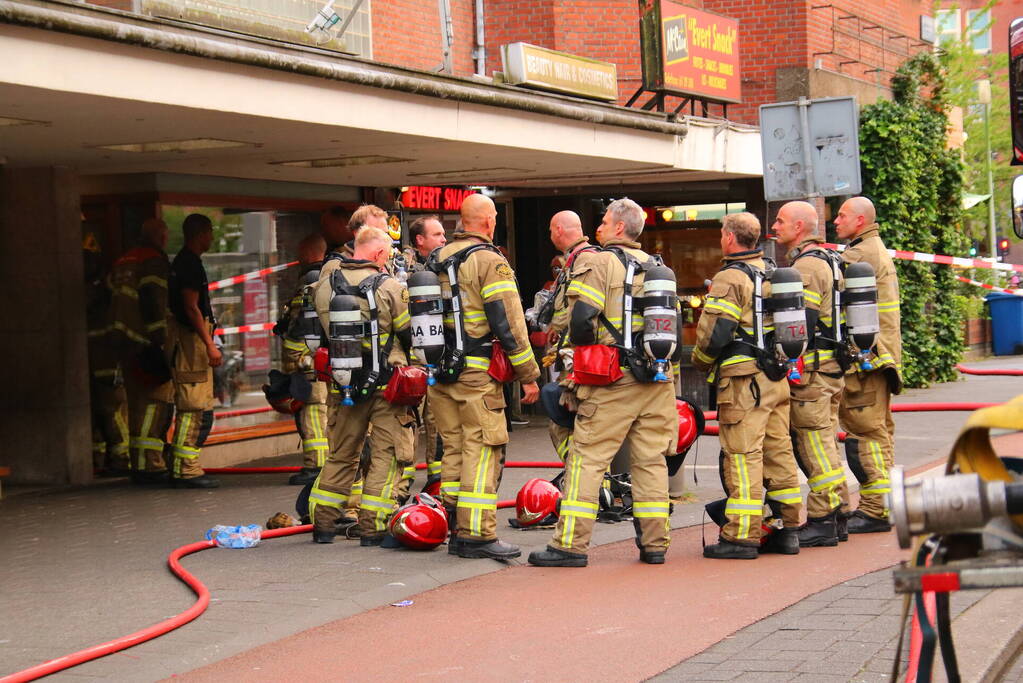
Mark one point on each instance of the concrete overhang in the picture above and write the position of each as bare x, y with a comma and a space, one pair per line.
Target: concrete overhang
91, 78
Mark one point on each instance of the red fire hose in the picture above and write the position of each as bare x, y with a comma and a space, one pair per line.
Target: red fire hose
992, 371
167, 625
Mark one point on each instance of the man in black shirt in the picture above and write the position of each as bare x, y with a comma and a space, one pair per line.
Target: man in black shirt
192, 353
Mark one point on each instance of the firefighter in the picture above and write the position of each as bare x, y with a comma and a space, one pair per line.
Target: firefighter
865, 409
106, 387
311, 419
468, 402
753, 410
426, 233
366, 215
822, 380
192, 354
623, 401
334, 228
139, 334
353, 408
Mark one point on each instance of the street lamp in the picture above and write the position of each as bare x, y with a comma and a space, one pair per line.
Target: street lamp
984, 97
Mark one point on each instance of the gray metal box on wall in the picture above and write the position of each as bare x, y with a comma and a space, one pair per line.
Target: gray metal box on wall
829, 167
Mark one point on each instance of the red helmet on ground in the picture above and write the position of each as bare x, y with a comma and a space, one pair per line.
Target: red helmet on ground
287, 394
432, 487
688, 425
420, 524
537, 503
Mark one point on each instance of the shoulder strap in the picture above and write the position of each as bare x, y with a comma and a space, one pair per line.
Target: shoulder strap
450, 266
757, 277
834, 261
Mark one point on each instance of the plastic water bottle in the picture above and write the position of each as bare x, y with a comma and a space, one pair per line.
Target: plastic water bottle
245, 536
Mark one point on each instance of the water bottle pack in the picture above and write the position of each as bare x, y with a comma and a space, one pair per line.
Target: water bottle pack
245, 536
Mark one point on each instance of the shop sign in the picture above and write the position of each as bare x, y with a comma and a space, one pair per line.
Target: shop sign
423, 198
257, 310
538, 67
689, 52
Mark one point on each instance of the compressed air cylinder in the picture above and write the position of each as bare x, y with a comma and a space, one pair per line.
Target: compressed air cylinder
660, 319
310, 322
426, 308
790, 336
345, 335
862, 321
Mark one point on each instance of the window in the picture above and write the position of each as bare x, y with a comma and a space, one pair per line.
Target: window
978, 24
946, 25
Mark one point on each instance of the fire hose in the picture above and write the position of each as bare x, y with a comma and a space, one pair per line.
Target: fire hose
987, 371
203, 595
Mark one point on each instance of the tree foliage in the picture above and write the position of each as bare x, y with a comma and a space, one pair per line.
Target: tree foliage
916, 185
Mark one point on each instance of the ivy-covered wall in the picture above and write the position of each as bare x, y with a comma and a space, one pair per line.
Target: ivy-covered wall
916, 183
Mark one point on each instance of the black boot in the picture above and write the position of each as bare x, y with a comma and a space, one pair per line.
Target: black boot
783, 541
323, 536
203, 481
306, 476
651, 556
494, 550
454, 543
862, 523
147, 478
819, 532
555, 557
727, 550
369, 541
842, 526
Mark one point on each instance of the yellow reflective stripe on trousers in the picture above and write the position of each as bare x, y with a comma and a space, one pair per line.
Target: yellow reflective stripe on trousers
147, 424
496, 288
357, 488
826, 480
153, 280
743, 507
451, 488
158, 325
742, 477
328, 498
477, 493
369, 502
434, 467
179, 449
292, 345
578, 508
408, 472
787, 496
573, 470
478, 501
563, 447
701, 356
642, 509
876, 486
587, 292
309, 445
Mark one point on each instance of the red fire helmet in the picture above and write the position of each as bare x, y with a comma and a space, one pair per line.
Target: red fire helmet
433, 488
420, 524
688, 425
537, 500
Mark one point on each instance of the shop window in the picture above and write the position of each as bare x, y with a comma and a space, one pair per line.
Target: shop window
947, 26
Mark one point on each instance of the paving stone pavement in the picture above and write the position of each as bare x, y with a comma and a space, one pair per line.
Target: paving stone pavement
847, 633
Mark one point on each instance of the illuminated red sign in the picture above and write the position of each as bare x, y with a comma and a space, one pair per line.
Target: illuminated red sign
426, 198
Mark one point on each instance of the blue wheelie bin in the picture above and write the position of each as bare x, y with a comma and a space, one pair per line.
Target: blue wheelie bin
1006, 323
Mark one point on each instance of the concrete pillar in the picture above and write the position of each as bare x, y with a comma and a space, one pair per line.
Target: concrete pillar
44, 404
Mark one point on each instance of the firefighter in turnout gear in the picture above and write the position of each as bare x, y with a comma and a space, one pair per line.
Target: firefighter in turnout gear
865, 411
106, 388
753, 410
426, 233
192, 354
311, 419
483, 320
618, 397
138, 333
379, 312
817, 394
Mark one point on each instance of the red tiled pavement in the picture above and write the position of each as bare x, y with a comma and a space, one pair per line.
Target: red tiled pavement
616, 620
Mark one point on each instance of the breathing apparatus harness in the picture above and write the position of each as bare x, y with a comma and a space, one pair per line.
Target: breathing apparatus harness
458, 344
645, 367
831, 337
365, 382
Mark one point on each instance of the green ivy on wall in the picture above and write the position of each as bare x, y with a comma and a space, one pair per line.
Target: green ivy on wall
916, 184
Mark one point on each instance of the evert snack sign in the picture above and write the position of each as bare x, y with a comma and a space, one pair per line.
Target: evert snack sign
689, 52
423, 198
545, 69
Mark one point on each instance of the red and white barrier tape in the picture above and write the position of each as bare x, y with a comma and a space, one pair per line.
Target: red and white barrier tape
254, 275
993, 288
943, 259
258, 327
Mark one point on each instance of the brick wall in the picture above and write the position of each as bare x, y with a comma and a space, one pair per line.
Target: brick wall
408, 33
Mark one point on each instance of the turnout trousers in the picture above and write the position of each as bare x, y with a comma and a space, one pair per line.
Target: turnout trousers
470, 418
607, 416
753, 414
390, 443
193, 398
150, 413
865, 413
813, 433
311, 422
